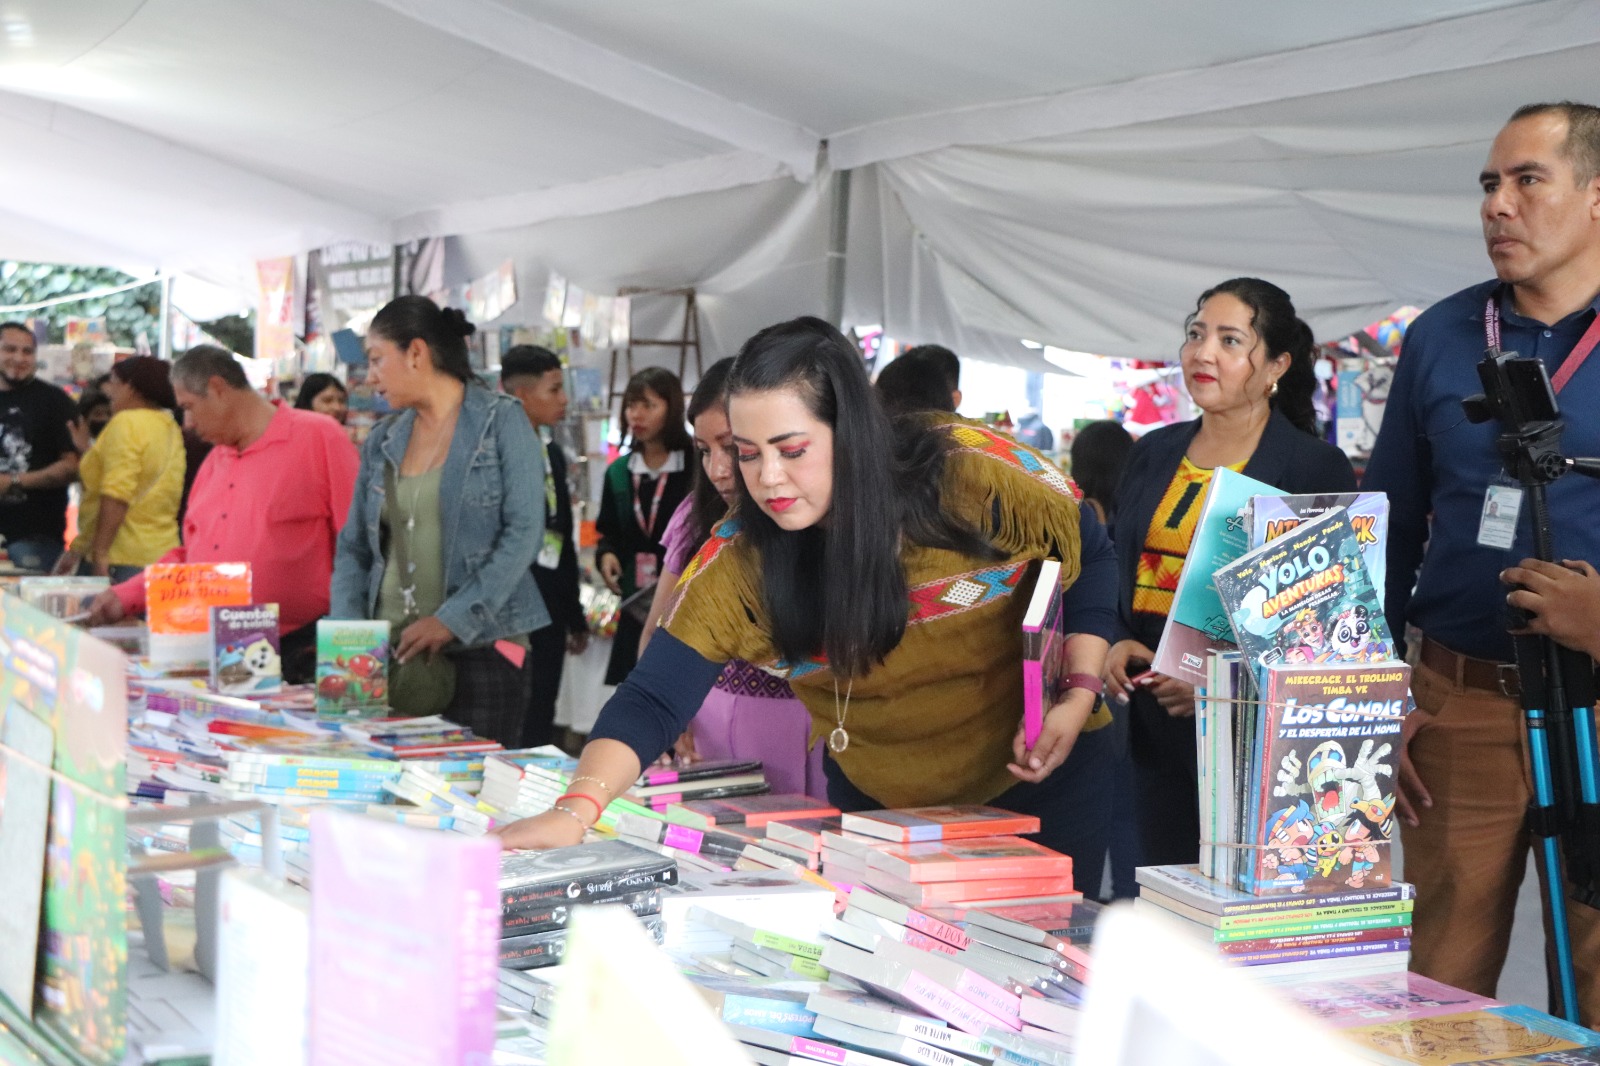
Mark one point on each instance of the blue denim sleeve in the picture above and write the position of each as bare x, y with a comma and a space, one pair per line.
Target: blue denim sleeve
484, 594
657, 701
352, 558
1090, 605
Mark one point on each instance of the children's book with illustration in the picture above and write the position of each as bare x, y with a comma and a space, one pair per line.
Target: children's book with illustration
178, 602
244, 650
1471, 1036
1042, 650
1273, 516
1306, 598
1322, 812
1197, 623
352, 667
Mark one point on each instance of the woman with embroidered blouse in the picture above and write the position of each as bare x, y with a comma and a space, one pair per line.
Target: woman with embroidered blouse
884, 571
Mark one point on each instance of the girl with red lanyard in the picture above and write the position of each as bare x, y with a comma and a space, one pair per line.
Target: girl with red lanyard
642, 490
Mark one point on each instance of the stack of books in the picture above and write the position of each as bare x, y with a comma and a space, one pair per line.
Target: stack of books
539, 889
754, 812
660, 787
433, 794
524, 782
432, 737
952, 855
309, 767
785, 904
1366, 930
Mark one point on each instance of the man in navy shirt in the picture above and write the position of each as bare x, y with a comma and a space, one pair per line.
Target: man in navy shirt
1464, 784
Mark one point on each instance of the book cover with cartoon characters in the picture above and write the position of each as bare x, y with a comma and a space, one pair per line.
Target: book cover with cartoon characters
352, 668
1273, 516
1307, 598
244, 650
1322, 814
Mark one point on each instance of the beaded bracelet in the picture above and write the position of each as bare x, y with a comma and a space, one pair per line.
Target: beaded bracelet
589, 777
575, 816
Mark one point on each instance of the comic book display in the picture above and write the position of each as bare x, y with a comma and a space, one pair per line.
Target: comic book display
1307, 598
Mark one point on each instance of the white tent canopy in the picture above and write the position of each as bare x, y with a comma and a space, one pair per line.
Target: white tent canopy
1062, 170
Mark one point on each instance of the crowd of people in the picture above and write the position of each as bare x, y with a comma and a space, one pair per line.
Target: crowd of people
835, 585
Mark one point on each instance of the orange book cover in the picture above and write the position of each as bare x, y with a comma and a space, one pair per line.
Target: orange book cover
917, 893
179, 596
977, 858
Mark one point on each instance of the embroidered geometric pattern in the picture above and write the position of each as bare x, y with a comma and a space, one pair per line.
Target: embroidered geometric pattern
740, 678
999, 447
721, 536
935, 600
964, 592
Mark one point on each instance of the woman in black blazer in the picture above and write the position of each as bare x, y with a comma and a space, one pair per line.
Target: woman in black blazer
1248, 367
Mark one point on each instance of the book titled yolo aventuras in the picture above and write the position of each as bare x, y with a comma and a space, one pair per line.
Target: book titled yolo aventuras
1306, 598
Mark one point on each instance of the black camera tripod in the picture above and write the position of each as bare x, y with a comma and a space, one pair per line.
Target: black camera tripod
1557, 683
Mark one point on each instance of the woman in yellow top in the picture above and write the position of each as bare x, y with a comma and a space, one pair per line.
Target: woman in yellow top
883, 571
132, 476
1247, 363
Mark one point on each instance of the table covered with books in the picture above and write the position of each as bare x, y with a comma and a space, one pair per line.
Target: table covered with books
281, 874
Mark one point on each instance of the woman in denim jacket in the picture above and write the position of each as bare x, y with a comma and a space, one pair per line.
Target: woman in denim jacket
444, 525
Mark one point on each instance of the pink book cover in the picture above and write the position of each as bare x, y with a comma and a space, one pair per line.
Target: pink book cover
405, 924
977, 858
1042, 641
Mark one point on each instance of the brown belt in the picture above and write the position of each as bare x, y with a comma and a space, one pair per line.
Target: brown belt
1484, 674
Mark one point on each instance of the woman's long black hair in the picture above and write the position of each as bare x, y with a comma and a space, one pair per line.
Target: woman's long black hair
839, 587
708, 507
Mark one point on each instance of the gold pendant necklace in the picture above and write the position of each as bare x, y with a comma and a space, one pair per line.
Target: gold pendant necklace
838, 740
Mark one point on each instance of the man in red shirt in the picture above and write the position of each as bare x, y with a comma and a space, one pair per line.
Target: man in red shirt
274, 493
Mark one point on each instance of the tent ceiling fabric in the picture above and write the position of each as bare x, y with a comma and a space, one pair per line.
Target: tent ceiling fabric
1062, 170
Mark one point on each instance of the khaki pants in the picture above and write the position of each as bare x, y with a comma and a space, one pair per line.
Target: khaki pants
1468, 855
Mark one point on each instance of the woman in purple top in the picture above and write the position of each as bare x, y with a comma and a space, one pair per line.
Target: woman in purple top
750, 714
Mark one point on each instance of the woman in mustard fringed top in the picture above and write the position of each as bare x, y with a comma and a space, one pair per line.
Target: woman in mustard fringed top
883, 571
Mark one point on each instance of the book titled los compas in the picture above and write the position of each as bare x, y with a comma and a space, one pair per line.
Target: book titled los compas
245, 657
1323, 803
947, 822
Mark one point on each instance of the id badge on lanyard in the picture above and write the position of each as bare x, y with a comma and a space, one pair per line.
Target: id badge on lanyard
1502, 501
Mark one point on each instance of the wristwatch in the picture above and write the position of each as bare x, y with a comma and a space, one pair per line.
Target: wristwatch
1084, 681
